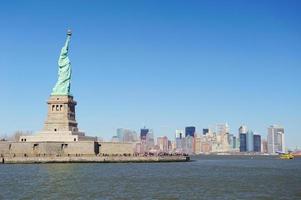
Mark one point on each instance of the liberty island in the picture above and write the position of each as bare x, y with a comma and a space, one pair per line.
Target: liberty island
61, 140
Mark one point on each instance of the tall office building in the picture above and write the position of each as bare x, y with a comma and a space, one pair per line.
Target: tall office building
180, 134
143, 133
198, 144
243, 129
190, 131
250, 141
222, 128
264, 146
147, 139
205, 131
242, 133
126, 135
188, 145
162, 142
170, 145
179, 140
257, 143
276, 139
243, 142
232, 142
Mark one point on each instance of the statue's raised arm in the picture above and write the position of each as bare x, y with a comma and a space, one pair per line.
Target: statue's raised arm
62, 86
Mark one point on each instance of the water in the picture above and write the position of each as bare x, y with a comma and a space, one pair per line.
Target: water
211, 177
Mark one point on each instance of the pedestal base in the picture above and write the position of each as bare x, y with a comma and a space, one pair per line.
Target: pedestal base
57, 137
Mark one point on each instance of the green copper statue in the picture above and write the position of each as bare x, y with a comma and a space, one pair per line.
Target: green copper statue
62, 86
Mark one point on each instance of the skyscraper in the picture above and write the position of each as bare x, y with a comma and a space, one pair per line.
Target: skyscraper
143, 133
188, 145
190, 131
257, 143
198, 144
180, 140
232, 141
162, 142
243, 142
179, 134
205, 131
126, 135
242, 131
250, 141
147, 139
264, 146
276, 139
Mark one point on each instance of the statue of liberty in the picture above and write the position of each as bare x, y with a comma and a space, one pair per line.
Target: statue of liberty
62, 86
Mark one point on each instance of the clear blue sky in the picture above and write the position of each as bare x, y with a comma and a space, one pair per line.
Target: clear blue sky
163, 64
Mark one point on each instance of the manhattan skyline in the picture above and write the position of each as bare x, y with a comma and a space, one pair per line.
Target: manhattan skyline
162, 65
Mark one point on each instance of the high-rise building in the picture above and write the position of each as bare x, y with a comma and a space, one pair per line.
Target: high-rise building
233, 142
243, 142
143, 133
222, 128
150, 140
276, 139
257, 143
126, 135
198, 144
188, 145
250, 141
169, 145
190, 131
205, 131
162, 142
264, 146
243, 129
242, 133
179, 141
180, 134
147, 139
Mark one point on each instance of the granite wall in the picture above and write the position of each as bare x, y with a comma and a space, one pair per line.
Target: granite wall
78, 148
113, 148
48, 148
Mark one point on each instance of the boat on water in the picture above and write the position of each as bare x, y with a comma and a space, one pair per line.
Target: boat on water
286, 156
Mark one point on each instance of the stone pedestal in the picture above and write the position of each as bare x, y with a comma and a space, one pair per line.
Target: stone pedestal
60, 124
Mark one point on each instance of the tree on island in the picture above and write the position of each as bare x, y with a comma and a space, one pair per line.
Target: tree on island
15, 136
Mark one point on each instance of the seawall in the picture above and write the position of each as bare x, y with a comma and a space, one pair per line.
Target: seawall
93, 159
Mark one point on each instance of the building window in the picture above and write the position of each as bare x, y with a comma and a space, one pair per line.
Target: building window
64, 146
74, 139
35, 146
55, 129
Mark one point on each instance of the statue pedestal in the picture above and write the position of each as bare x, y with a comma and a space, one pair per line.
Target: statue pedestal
60, 124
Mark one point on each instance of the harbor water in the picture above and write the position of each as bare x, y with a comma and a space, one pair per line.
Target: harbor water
207, 177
